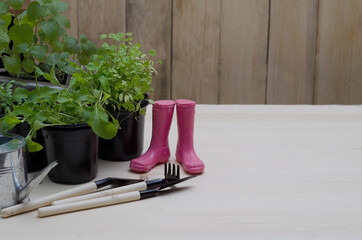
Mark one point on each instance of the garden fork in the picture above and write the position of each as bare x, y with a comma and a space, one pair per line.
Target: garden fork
171, 172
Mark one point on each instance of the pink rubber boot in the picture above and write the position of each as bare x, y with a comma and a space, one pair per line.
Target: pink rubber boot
185, 152
158, 152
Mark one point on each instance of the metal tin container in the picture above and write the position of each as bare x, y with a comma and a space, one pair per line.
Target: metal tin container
12, 168
14, 187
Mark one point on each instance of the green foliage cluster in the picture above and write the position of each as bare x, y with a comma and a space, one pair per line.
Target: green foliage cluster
46, 106
10, 95
6, 96
35, 41
116, 78
121, 71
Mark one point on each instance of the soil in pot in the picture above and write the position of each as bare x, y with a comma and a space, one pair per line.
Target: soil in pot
76, 149
128, 143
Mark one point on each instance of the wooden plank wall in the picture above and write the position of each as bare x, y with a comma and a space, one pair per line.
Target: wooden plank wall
240, 51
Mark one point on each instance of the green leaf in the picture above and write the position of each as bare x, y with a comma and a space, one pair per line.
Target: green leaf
52, 59
71, 45
43, 115
103, 36
51, 77
86, 114
89, 48
39, 52
6, 20
62, 20
92, 67
83, 59
16, 4
35, 11
38, 125
104, 83
152, 53
22, 48
4, 38
20, 93
9, 122
45, 92
21, 34
83, 38
61, 63
63, 99
33, 146
60, 6
69, 69
102, 128
28, 65
57, 45
38, 72
23, 110
3, 7
50, 28
12, 63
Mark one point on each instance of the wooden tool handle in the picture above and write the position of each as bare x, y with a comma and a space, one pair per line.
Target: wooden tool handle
28, 206
87, 204
124, 189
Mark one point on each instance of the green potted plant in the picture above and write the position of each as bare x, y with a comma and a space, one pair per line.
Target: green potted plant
35, 40
124, 74
71, 120
10, 96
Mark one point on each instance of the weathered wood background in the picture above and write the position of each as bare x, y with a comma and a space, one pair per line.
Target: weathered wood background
240, 51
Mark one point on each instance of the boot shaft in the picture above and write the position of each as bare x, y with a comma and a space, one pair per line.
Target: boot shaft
162, 113
185, 122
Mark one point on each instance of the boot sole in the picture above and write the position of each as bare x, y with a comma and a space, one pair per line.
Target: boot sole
142, 168
194, 170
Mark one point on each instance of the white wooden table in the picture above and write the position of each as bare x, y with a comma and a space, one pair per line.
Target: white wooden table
272, 172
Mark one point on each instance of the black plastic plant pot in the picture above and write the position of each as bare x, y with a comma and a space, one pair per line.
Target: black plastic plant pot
76, 149
128, 143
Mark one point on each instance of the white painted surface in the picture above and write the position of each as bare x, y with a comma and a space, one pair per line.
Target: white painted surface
272, 172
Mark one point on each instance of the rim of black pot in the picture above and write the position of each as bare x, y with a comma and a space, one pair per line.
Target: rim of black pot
69, 126
62, 79
145, 102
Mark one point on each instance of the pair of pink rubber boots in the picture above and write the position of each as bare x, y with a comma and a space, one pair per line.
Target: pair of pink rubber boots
159, 151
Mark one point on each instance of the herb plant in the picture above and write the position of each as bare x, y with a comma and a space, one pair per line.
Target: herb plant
121, 71
35, 40
9, 96
6, 96
46, 106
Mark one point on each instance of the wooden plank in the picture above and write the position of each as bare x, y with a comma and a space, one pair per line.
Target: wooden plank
72, 14
244, 40
195, 49
98, 17
150, 23
339, 72
292, 51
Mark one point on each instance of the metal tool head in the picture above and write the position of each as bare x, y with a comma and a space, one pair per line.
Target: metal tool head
171, 173
125, 181
174, 182
116, 181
